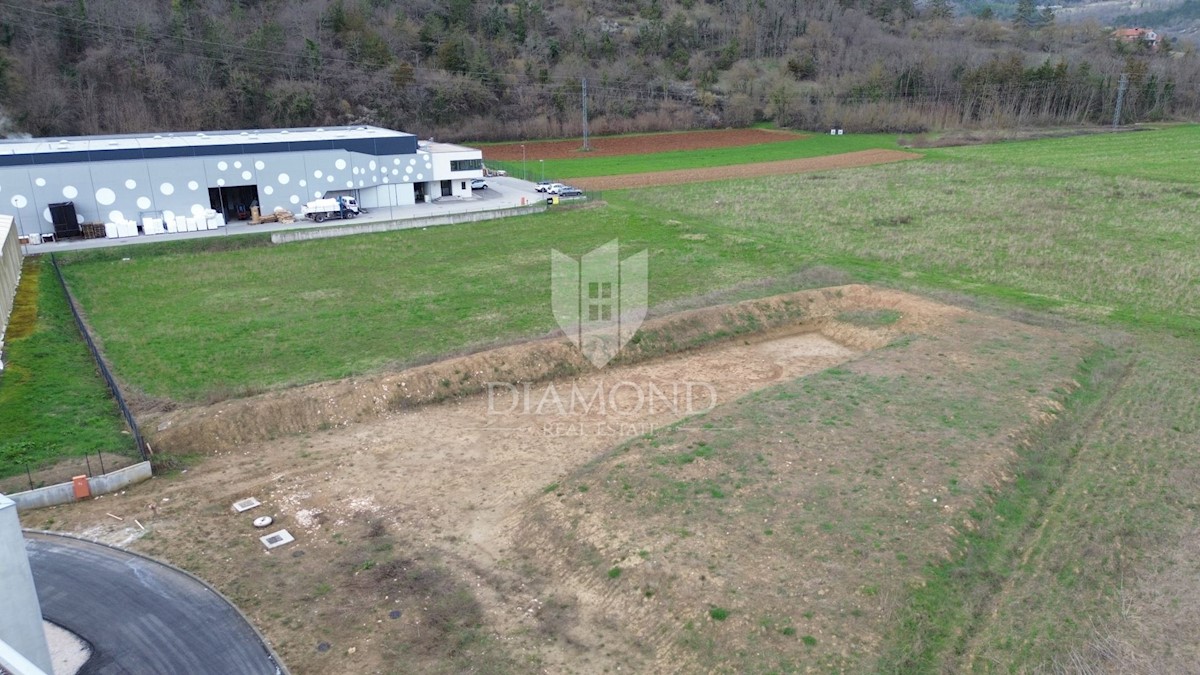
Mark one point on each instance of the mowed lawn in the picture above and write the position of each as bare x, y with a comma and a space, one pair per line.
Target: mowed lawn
53, 402
586, 166
193, 325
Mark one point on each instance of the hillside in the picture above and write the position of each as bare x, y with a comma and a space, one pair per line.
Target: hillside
504, 70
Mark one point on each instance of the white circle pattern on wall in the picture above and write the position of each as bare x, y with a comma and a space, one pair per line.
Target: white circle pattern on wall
294, 199
131, 184
317, 173
268, 190
46, 215
220, 182
70, 192
116, 217
105, 196
193, 185
143, 203
284, 178
237, 165
222, 166
167, 189
260, 165
303, 182
40, 182
246, 175
340, 164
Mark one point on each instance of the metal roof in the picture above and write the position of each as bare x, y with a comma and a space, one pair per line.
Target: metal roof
183, 139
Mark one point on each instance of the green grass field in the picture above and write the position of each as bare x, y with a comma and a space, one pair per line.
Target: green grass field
1080, 560
586, 167
53, 403
259, 317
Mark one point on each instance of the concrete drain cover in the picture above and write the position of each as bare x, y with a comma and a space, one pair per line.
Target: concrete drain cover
246, 504
263, 521
277, 539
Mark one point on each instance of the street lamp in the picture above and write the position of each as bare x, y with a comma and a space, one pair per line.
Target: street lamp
543, 163
524, 173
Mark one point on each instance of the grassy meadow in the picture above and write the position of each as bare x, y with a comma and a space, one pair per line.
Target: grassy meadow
257, 317
53, 403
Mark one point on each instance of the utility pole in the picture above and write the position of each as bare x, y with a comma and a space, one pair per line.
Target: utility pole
1120, 99
586, 146
524, 173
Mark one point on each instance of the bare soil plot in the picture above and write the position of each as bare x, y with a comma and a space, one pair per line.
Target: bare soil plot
846, 160
484, 531
641, 144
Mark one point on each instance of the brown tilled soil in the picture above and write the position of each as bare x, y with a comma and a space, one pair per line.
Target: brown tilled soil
640, 144
846, 160
438, 537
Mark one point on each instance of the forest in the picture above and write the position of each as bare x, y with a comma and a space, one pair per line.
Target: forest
492, 70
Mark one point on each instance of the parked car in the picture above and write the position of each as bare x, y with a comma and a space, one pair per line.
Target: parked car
555, 188
542, 185
478, 184
570, 192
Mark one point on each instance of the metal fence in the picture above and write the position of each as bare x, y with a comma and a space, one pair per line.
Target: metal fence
108, 378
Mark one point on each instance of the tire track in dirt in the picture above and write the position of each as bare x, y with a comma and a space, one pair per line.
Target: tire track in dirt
848, 160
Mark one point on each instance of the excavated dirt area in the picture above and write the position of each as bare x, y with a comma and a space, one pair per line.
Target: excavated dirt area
414, 549
639, 144
846, 160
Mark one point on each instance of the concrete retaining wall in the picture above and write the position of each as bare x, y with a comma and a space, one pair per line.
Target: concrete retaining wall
20, 614
64, 493
10, 271
407, 224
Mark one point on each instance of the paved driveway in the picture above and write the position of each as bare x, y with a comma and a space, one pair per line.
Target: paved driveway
141, 616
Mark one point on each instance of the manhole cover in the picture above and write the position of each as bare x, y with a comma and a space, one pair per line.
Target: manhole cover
263, 521
395, 614
277, 539
323, 647
246, 504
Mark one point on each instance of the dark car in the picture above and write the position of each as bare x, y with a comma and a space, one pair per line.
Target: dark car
570, 192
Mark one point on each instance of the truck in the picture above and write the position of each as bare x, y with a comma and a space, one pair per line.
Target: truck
320, 210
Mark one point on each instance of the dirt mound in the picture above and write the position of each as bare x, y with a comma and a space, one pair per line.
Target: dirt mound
340, 403
851, 431
641, 144
847, 160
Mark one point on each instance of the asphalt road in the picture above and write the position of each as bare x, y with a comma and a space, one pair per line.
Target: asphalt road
141, 616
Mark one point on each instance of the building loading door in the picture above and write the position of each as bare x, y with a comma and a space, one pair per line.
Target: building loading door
233, 201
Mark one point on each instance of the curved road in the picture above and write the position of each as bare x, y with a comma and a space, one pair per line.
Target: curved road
141, 616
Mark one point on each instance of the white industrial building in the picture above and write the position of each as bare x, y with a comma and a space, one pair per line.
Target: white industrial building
169, 182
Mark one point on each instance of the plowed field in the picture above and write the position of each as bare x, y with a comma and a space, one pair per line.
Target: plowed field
843, 161
611, 146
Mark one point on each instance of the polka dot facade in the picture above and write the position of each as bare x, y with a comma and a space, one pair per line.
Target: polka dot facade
166, 185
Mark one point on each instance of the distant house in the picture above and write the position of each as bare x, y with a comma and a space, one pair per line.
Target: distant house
1140, 35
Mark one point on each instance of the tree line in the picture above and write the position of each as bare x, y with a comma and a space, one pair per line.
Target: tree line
466, 69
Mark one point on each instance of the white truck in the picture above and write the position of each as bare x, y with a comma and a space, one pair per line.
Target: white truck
320, 210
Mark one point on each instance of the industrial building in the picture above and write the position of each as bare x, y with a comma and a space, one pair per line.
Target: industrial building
143, 184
